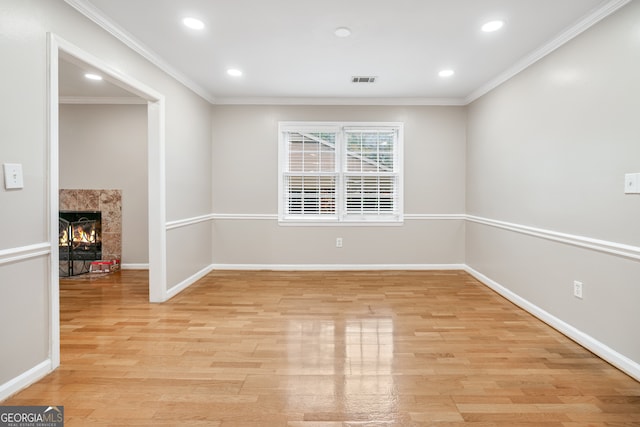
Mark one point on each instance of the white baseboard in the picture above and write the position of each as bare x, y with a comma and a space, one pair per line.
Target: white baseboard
25, 379
134, 266
618, 360
337, 267
186, 283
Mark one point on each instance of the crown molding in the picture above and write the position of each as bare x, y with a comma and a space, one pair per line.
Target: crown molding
598, 14
95, 15
582, 25
122, 100
340, 101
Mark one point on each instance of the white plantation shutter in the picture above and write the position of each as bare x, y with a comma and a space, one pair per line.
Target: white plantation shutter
370, 195
371, 182
310, 175
339, 173
310, 195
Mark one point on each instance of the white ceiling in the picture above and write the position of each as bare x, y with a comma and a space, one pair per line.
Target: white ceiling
74, 87
288, 51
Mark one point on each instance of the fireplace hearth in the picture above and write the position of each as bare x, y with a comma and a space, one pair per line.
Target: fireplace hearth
79, 241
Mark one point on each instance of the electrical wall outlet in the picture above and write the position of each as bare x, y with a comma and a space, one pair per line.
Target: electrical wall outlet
577, 289
338, 242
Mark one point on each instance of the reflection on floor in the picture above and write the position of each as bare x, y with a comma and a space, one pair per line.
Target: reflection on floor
321, 349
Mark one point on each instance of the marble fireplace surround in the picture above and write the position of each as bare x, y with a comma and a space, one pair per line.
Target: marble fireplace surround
109, 202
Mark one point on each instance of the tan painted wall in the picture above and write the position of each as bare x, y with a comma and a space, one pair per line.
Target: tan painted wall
25, 283
549, 149
105, 147
245, 181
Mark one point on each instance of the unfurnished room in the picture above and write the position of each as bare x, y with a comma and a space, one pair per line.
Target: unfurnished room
319, 214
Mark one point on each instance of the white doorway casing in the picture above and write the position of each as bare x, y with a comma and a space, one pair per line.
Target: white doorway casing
156, 176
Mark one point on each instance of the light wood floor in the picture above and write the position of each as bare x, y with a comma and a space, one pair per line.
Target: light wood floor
310, 349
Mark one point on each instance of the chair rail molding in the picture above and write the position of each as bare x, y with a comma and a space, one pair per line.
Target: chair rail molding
24, 252
611, 248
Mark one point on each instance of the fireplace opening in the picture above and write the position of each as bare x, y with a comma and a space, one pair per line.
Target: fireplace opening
79, 241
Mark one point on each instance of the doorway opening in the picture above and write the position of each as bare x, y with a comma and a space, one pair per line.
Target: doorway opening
59, 49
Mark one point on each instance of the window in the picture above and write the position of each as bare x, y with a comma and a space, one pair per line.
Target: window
340, 172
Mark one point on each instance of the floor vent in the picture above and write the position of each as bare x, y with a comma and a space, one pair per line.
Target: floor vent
363, 79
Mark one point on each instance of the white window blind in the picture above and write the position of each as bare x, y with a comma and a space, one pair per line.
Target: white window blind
371, 173
311, 175
340, 172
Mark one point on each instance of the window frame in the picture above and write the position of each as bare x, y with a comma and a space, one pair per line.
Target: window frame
341, 217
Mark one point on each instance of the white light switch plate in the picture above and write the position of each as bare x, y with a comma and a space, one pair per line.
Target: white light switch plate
632, 183
13, 176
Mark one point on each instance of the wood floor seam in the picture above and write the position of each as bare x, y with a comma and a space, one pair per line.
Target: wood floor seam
321, 349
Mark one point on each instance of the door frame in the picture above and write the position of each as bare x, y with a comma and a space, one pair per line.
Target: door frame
156, 175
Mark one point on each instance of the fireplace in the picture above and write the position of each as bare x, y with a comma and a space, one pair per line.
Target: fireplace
109, 204
79, 241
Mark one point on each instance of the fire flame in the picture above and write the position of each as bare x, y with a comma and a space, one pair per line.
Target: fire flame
64, 238
79, 236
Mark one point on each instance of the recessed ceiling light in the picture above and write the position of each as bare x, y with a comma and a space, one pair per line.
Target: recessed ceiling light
492, 26
91, 76
446, 73
234, 72
342, 32
193, 23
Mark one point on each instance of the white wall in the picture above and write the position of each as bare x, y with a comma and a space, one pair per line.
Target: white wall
549, 150
245, 182
24, 236
105, 147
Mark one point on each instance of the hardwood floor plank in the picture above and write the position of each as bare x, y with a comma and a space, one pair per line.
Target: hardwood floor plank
321, 349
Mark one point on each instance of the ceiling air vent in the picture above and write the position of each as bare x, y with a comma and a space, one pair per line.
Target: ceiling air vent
363, 79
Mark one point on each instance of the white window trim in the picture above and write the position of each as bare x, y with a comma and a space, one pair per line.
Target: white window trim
339, 127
